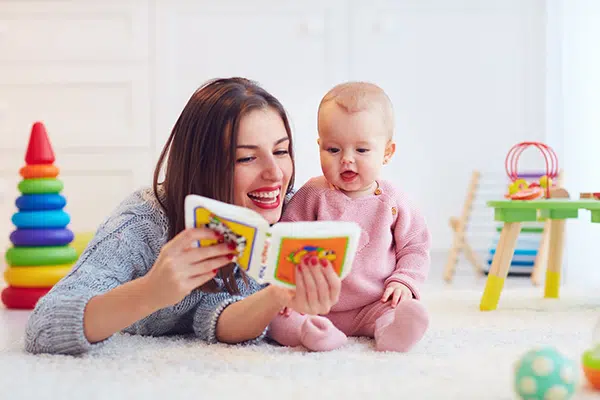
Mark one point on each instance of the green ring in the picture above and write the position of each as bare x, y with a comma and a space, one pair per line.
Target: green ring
25, 256
591, 359
40, 186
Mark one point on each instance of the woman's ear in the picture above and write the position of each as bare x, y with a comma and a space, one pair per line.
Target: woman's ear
390, 149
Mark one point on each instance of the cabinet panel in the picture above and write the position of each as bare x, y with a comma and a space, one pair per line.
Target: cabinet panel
73, 31
82, 108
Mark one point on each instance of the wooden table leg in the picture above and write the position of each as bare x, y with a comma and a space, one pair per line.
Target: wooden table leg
500, 265
555, 255
541, 260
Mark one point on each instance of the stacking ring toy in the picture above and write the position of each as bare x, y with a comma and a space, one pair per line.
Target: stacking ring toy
36, 277
41, 219
22, 298
41, 237
40, 185
33, 256
39, 171
40, 202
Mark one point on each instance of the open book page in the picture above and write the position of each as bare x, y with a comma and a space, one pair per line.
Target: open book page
290, 242
240, 225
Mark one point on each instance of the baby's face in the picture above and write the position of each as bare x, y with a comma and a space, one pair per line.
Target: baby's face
352, 148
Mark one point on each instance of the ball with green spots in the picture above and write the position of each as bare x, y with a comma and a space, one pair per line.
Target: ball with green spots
545, 374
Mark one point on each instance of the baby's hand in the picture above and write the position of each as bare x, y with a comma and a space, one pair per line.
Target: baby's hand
397, 291
285, 311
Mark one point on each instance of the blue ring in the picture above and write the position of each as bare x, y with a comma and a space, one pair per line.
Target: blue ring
37, 202
41, 237
41, 219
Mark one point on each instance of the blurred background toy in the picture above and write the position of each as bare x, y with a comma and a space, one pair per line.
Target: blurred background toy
543, 374
40, 254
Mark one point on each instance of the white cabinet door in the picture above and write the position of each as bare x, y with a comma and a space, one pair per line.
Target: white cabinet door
464, 75
295, 50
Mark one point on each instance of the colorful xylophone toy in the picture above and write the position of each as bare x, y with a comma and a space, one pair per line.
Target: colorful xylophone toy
41, 254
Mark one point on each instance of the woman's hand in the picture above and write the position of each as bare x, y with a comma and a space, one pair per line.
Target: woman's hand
182, 267
317, 287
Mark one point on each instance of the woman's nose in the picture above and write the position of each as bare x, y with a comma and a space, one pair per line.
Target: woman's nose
272, 171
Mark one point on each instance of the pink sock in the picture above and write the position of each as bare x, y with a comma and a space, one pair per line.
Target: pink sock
319, 334
316, 333
401, 328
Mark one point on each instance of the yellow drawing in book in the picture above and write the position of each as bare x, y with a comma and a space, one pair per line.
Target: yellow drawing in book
241, 234
270, 254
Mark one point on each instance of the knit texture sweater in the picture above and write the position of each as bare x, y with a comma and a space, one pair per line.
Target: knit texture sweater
124, 248
394, 244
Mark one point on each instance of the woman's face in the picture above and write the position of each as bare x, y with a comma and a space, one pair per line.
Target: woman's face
263, 165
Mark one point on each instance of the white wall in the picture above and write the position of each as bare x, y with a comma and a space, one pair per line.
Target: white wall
576, 27
467, 78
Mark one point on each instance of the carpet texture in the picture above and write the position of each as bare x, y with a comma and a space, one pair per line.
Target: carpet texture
466, 354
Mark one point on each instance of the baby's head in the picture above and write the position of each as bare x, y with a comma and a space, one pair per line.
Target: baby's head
356, 127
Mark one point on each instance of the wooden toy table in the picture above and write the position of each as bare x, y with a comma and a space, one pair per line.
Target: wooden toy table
513, 213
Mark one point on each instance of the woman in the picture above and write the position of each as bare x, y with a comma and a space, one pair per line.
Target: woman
141, 274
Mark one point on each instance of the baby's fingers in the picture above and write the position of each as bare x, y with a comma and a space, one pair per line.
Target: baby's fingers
396, 297
386, 294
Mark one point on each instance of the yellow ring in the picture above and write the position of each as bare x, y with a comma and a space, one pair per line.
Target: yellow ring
36, 276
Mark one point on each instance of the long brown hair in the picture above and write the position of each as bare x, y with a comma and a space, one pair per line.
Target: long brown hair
200, 153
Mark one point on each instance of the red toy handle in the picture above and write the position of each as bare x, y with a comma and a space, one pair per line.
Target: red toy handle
550, 159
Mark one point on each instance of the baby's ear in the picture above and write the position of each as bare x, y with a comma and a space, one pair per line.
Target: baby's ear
390, 149
319, 142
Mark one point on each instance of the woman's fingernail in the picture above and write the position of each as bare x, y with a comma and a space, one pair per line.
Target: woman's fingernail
231, 245
323, 262
230, 256
314, 260
299, 267
214, 271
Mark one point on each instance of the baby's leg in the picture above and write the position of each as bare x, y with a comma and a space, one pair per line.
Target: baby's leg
400, 328
314, 332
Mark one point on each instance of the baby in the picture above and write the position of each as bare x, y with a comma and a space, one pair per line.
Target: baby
380, 296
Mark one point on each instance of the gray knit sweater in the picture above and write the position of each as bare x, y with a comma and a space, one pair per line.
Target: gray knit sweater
124, 248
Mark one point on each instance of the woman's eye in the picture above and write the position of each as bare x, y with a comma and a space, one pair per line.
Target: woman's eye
281, 152
332, 150
245, 159
362, 150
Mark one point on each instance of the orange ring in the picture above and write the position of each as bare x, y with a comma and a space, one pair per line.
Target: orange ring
39, 171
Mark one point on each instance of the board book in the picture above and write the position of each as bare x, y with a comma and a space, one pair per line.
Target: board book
269, 254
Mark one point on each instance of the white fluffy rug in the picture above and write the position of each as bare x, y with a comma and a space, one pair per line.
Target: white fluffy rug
466, 354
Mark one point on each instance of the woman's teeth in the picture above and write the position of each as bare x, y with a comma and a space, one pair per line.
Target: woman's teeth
265, 197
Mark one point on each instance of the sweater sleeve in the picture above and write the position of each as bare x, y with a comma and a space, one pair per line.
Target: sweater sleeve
56, 323
303, 206
211, 306
413, 241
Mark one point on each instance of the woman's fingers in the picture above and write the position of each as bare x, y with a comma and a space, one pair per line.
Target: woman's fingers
204, 267
194, 255
186, 237
310, 286
323, 302
333, 281
199, 280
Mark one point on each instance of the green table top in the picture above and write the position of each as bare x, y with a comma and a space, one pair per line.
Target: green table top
541, 209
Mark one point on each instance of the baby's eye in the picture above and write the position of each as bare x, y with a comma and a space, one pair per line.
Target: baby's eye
362, 150
333, 150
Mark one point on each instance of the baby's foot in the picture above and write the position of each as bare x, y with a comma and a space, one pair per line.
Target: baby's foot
401, 328
319, 334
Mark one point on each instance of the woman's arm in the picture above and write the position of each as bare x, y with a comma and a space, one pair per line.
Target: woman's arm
247, 319
111, 312
221, 317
